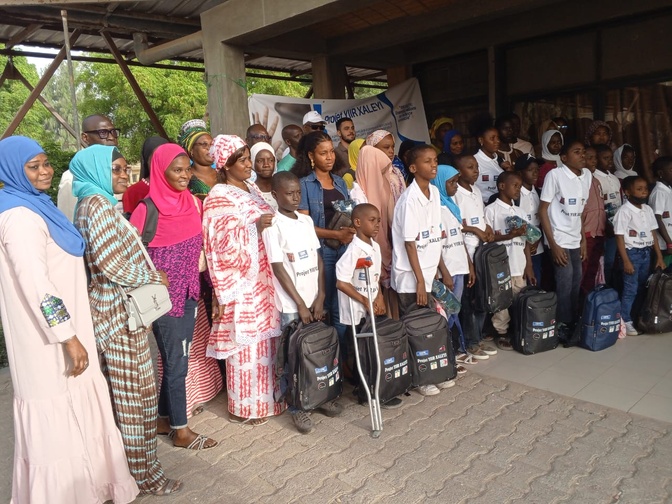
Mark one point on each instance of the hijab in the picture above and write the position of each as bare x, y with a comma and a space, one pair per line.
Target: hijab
92, 172
593, 127
262, 146
15, 152
619, 170
443, 174
190, 132
437, 124
545, 153
224, 146
374, 138
447, 138
353, 152
148, 149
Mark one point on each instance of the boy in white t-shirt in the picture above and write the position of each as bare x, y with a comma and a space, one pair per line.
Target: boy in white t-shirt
298, 276
528, 167
520, 262
661, 203
635, 227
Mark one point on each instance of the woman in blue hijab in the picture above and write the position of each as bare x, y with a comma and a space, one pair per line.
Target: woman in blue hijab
68, 448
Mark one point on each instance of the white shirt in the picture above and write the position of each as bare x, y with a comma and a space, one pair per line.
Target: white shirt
529, 205
635, 224
346, 272
660, 202
293, 243
65, 199
416, 219
357, 194
567, 195
268, 198
473, 212
523, 146
611, 188
454, 253
621, 174
489, 171
495, 216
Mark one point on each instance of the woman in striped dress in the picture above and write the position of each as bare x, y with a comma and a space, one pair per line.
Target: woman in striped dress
115, 261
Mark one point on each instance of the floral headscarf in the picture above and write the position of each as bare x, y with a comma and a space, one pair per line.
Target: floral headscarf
224, 146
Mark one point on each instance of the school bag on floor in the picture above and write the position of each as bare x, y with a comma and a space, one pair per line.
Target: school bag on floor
656, 315
601, 319
432, 356
307, 365
494, 291
534, 324
395, 376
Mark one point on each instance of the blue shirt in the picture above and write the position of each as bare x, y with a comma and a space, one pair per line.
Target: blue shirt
312, 199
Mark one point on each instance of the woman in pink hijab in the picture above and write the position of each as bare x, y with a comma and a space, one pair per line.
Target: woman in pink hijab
384, 141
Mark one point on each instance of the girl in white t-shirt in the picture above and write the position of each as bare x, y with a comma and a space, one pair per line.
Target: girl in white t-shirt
488, 163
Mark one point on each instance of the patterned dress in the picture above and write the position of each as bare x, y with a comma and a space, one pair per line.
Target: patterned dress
114, 259
246, 334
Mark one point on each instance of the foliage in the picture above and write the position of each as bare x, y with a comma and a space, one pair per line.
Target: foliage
259, 85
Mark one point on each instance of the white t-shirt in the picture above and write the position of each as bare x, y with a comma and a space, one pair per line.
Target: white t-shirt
357, 194
293, 243
489, 171
611, 188
454, 254
635, 224
346, 272
473, 212
529, 204
495, 216
660, 202
567, 195
416, 219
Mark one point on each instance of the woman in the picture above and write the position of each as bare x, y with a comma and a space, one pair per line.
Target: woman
175, 249
264, 165
67, 448
384, 141
551, 143
438, 130
138, 191
453, 146
598, 133
196, 140
115, 261
245, 321
353, 152
624, 162
488, 163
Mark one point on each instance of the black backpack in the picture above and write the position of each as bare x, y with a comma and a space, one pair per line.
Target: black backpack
307, 365
656, 315
494, 291
432, 356
534, 324
151, 221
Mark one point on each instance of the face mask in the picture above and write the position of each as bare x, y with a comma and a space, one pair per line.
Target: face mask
637, 201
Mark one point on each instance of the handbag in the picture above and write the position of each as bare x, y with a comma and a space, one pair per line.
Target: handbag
338, 221
148, 302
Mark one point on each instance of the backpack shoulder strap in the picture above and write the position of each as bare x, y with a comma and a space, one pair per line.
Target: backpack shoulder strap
151, 221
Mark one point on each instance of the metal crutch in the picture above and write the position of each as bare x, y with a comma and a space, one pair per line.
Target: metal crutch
374, 402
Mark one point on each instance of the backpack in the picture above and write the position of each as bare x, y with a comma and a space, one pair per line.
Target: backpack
151, 221
534, 324
307, 365
432, 356
656, 315
601, 319
494, 291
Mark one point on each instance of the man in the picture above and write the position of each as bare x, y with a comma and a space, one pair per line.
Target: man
291, 134
345, 129
255, 134
313, 121
96, 129
518, 143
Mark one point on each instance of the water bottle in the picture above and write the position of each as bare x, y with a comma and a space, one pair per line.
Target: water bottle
448, 301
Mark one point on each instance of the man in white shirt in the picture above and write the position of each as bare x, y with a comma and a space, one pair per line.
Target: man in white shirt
661, 203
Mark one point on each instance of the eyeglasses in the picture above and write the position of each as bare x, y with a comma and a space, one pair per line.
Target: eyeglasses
117, 170
258, 136
203, 145
104, 133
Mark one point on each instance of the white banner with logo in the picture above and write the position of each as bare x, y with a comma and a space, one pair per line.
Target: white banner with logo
398, 110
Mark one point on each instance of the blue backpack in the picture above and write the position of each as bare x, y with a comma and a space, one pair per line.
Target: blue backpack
601, 320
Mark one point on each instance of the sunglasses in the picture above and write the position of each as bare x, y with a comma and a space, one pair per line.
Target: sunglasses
257, 136
104, 133
316, 127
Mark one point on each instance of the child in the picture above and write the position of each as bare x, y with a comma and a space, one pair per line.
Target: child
594, 223
417, 239
470, 201
624, 162
520, 261
298, 277
661, 203
635, 228
528, 167
563, 199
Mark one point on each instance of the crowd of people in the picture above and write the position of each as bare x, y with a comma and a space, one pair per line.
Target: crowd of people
246, 244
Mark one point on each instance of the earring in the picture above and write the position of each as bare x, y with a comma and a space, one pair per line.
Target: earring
312, 163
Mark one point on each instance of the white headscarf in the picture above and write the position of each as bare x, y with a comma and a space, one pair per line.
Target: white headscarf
261, 146
620, 170
545, 153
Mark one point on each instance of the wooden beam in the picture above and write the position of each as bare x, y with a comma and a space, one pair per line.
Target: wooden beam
134, 85
44, 80
22, 35
25, 3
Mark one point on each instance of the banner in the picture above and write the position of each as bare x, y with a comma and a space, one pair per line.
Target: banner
398, 110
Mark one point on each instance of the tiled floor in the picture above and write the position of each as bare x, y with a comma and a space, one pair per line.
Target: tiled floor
634, 375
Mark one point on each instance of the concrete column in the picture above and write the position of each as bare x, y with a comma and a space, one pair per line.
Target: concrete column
329, 77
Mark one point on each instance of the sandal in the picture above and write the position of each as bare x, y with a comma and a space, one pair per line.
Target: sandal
461, 370
197, 410
199, 443
254, 422
465, 359
169, 487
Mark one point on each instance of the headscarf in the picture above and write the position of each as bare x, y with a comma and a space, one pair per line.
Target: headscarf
261, 146
92, 172
189, 133
545, 153
447, 138
148, 149
619, 170
374, 138
353, 152
179, 215
593, 127
224, 146
15, 152
437, 124
443, 174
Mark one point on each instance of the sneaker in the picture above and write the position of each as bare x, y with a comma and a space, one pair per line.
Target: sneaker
303, 422
428, 390
504, 343
477, 353
630, 329
487, 349
393, 403
331, 409
445, 384
465, 358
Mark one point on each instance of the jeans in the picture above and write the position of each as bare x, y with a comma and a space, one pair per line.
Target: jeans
536, 266
609, 259
330, 257
567, 286
472, 321
454, 320
641, 260
173, 337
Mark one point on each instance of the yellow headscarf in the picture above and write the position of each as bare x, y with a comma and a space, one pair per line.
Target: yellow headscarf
353, 152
